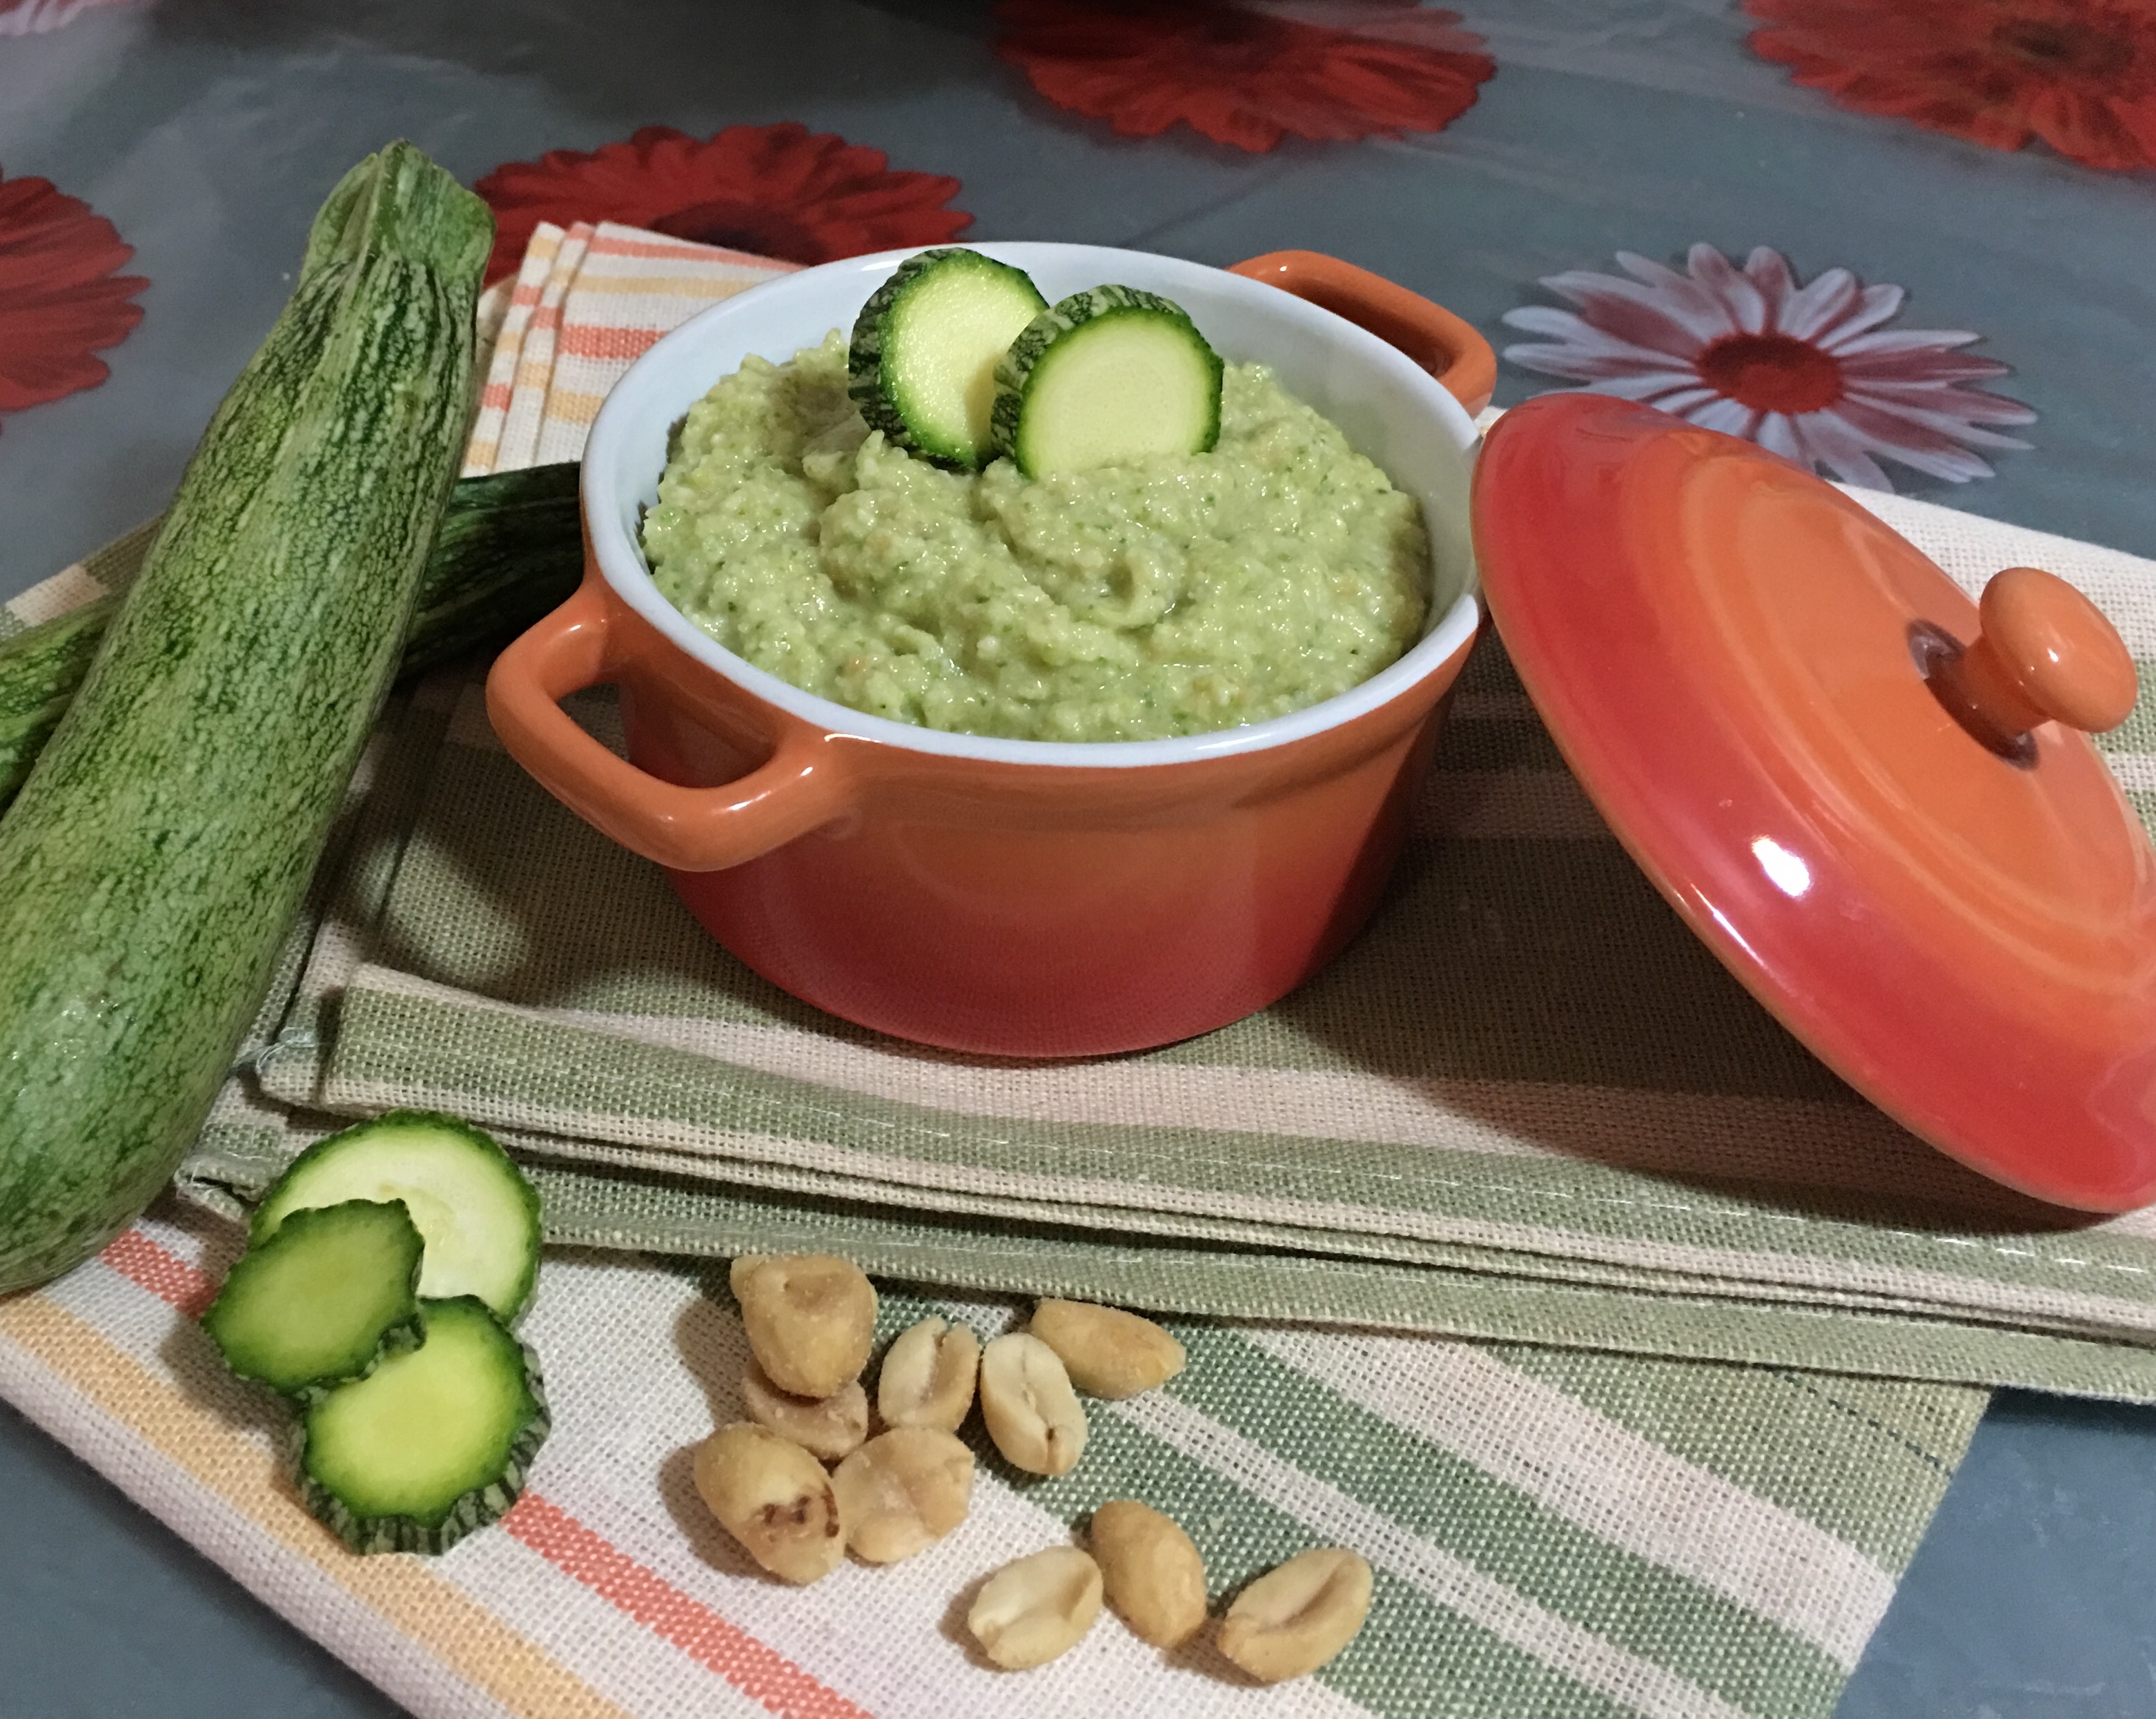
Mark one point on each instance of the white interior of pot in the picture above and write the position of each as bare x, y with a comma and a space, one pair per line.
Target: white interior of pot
1390, 409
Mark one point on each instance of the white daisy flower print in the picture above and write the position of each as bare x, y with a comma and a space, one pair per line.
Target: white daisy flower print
1811, 371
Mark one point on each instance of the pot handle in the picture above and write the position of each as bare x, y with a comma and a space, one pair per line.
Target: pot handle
1447, 347
683, 828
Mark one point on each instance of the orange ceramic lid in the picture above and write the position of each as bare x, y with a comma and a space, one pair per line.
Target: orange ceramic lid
1864, 793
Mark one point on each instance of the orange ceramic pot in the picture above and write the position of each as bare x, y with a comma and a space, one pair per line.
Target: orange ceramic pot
1015, 898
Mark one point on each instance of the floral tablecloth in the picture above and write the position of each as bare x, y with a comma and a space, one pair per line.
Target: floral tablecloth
1907, 242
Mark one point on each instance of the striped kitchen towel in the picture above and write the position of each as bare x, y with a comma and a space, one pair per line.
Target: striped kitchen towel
1556, 1533
1525, 1108
585, 303
1524, 1105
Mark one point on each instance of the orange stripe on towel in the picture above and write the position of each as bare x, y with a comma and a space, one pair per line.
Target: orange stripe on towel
760, 1672
161, 1271
614, 244
585, 340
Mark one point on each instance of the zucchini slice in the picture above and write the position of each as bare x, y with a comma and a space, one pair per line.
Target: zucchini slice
477, 1214
319, 1303
1108, 375
434, 1442
922, 366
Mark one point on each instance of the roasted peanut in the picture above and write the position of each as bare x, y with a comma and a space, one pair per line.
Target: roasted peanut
810, 1319
902, 1490
827, 1428
1108, 1352
1295, 1618
773, 1497
1036, 1607
927, 1377
1155, 1578
1033, 1415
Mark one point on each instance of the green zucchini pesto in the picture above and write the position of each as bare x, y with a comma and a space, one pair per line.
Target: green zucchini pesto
1171, 595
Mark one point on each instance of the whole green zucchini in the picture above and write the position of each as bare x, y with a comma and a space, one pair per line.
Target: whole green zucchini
510, 549
159, 849
39, 671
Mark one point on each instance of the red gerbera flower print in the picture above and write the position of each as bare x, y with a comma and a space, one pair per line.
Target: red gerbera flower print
1249, 72
775, 191
1810, 371
2079, 74
60, 303
33, 18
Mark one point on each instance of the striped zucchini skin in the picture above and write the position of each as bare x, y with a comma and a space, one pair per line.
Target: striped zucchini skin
158, 850
510, 548
39, 671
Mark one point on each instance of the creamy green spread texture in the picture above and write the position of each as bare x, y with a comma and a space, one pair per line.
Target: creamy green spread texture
1169, 596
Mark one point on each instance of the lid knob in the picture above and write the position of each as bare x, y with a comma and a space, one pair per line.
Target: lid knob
2046, 655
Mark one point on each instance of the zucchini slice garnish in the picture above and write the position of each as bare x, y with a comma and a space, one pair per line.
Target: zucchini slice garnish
478, 1215
432, 1443
1107, 376
334, 1289
923, 365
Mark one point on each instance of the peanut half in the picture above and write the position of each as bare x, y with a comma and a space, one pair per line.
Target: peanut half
902, 1490
1295, 1618
927, 1376
773, 1497
1036, 1607
810, 1317
1155, 1578
1033, 1415
827, 1428
1108, 1352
